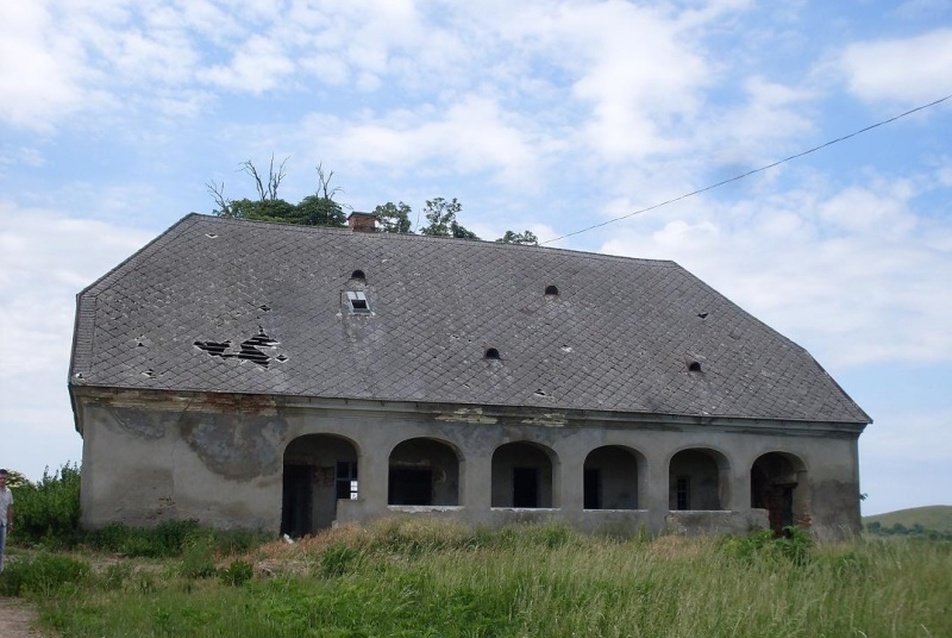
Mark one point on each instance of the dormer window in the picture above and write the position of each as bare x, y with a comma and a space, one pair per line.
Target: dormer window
358, 302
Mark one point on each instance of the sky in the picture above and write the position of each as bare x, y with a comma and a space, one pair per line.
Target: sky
563, 117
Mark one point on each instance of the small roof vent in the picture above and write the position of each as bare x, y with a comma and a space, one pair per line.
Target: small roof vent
551, 291
358, 275
694, 366
492, 353
357, 302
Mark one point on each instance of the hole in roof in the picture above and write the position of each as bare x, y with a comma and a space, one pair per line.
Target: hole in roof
358, 274
552, 291
248, 350
492, 353
694, 366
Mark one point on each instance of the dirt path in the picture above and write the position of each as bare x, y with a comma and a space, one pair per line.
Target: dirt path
16, 619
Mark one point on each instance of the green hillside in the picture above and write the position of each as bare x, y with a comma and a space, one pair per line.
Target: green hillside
933, 517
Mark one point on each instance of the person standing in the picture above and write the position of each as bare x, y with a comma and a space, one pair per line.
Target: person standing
6, 513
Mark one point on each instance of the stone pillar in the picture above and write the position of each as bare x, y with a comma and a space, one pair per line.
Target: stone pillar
655, 498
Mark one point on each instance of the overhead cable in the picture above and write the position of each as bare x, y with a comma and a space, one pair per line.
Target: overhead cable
751, 172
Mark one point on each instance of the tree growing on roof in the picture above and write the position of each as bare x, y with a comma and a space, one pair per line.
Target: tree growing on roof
441, 215
318, 209
526, 237
394, 218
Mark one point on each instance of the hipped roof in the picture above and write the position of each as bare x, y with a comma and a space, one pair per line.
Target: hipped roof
221, 305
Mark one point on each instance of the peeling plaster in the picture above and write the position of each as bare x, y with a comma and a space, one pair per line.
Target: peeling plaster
549, 420
238, 447
466, 415
147, 424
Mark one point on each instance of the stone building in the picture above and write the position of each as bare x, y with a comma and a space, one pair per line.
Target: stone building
286, 377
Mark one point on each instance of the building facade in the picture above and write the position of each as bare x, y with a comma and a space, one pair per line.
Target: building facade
287, 378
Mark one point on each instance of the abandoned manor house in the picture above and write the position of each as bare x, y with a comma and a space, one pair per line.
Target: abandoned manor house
289, 378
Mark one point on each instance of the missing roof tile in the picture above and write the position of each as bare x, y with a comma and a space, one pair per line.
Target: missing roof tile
248, 350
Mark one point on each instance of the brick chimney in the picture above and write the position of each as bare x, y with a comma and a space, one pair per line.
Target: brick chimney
362, 222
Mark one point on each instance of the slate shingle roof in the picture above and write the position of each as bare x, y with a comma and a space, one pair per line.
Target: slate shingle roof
245, 307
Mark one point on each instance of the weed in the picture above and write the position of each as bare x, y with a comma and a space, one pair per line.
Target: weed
115, 576
338, 560
198, 559
41, 574
237, 573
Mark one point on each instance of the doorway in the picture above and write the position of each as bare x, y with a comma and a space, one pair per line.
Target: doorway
297, 499
319, 469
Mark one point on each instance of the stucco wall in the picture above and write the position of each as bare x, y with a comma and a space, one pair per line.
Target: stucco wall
151, 458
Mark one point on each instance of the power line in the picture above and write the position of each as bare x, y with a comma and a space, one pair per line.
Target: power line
751, 172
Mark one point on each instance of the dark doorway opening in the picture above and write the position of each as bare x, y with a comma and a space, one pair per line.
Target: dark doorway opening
410, 486
296, 506
775, 486
525, 487
592, 489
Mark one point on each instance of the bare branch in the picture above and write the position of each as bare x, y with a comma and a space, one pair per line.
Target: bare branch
217, 191
274, 179
250, 169
324, 183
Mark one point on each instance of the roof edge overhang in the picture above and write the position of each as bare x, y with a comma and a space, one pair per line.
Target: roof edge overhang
487, 414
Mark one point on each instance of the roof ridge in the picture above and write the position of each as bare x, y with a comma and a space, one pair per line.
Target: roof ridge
430, 238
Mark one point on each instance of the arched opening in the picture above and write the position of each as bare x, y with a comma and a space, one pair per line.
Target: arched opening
522, 476
319, 470
778, 484
423, 472
698, 480
610, 478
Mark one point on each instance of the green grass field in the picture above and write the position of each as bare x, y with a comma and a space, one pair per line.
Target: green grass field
935, 517
419, 578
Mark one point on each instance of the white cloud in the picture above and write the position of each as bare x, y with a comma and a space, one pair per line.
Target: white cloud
848, 273
638, 68
40, 72
259, 64
473, 135
907, 71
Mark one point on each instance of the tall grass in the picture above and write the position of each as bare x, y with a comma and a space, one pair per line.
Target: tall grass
421, 579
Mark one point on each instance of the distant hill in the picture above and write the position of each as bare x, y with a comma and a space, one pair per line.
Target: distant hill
933, 517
